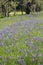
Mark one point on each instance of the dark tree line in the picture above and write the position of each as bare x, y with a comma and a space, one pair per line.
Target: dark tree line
6, 6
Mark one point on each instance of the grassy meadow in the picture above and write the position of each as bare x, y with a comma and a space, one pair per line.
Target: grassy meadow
21, 40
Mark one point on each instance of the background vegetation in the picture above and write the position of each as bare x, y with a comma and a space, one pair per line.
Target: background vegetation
21, 37
27, 6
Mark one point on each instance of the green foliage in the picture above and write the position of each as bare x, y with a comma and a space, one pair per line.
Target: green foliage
1, 16
10, 5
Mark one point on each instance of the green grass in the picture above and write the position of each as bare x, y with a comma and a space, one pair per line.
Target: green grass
12, 55
38, 15
7, 21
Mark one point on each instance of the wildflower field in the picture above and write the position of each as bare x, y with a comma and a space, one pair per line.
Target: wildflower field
21, 40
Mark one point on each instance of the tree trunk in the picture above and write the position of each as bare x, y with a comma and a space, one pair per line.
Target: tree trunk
7, 13
3, 10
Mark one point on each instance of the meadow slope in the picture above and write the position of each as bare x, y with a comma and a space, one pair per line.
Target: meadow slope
21, 40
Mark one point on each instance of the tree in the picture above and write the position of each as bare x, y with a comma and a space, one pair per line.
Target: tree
36, 5
7, 6
28, 8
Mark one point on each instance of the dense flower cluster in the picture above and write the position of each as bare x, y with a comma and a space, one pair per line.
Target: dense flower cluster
22, 43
